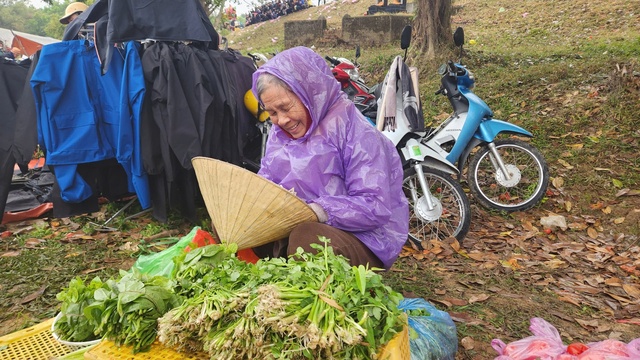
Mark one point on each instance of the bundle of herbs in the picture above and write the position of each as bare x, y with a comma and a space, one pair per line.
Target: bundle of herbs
123, 310
71, 324
309, 306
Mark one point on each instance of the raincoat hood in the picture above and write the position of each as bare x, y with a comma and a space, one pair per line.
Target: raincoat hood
310, 78
342, 163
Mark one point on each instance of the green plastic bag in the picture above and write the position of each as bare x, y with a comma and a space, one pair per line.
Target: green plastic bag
161, 263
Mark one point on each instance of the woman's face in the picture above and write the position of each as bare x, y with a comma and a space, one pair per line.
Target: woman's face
286, 110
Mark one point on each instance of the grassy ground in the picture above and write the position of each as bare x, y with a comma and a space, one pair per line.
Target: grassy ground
567, 71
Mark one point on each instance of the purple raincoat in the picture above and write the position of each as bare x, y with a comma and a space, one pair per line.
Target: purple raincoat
342, 163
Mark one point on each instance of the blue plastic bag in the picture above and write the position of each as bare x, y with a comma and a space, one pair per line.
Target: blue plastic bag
432, 337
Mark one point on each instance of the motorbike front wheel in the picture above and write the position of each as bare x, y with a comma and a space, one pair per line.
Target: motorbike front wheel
527, 182
450, 214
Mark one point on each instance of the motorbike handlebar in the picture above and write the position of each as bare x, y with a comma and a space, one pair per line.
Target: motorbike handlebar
332, 60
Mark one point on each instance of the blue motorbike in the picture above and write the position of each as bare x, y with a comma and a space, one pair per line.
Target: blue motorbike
505, 173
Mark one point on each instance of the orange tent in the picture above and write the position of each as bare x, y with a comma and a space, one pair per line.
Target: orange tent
27, 43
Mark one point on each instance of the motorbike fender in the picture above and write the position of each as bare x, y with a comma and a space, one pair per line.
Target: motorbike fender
464, 157
489, 129
415, 150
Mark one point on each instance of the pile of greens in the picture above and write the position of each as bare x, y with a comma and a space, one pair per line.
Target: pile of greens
124, 310
71, 324
309, 306
127, 310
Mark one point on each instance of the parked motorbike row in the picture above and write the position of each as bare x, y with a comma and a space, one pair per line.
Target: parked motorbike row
503, 173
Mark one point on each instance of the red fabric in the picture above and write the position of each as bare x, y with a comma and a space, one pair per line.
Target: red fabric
248, 255
203, 238
34, 213
33, 164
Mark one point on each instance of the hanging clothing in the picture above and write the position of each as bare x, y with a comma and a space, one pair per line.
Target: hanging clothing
126, 20
12, 79
84, 117
26, 132
240, 69
194, 107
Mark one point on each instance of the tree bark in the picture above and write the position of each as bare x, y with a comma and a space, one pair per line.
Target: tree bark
432, 25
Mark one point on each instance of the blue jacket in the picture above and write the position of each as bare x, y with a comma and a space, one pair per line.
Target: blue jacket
85, 117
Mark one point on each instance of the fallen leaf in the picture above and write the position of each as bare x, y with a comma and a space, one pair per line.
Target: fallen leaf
633, 291
622, 300
468, 343
11, 254
478, 298
443, 302
565, 164
463, 318
456, 302
73, 254
568, 206
33, 243
34, 295
588, 324
570, 300
607, 210
619, 220
592, 233
630, 192
477, 256
555, 263
557, 182
89, 271
613, 282
617, 183
456, 246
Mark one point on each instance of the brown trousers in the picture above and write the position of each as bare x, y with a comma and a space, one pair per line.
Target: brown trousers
305, 234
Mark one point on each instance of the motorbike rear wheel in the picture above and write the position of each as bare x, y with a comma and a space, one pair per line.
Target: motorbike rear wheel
528, 182
451, 215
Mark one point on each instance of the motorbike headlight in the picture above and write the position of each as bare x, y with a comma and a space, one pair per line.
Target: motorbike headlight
353, 74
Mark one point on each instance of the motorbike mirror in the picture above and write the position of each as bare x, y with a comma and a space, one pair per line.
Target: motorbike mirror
458, 37
357, 51
405, 38
458, 40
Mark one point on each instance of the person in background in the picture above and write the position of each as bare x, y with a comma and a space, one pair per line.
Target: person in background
17, 53
4, 52
323, 149
72, 11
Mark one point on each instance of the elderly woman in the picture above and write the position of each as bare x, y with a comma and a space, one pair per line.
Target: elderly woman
322, 148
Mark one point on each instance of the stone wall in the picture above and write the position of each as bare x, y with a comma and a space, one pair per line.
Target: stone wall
362, 30
303, 32
374, 30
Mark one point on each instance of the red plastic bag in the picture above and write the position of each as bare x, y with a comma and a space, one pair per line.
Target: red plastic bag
203, 238
545, 344
609, 349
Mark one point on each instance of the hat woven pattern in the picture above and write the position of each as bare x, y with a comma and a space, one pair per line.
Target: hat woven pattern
245, 208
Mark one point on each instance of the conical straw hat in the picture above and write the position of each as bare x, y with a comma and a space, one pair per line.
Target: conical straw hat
245, 208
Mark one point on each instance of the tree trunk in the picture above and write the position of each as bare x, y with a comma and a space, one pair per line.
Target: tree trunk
432, 25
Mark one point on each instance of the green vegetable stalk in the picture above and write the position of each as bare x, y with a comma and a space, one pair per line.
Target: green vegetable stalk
309, 306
